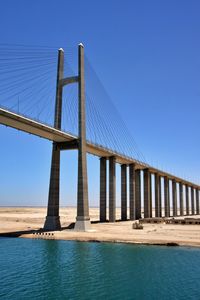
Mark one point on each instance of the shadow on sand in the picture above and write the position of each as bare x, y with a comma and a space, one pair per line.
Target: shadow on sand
32, 231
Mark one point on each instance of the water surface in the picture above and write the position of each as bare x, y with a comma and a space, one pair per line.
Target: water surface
49, 269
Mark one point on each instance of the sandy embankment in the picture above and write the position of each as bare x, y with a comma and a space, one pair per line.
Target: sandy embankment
28, 219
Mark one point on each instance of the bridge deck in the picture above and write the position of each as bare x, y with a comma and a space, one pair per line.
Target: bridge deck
31, 126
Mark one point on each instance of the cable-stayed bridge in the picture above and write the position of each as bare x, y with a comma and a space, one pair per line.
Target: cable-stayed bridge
41, 95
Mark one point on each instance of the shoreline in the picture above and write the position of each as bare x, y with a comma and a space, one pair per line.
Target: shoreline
27, 223
114, 241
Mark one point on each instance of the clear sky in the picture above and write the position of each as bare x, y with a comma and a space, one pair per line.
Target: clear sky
147, 54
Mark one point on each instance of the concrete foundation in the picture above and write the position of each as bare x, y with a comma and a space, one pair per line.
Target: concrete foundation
103, 188
132, 191
123, 192
137, 195
52, 223
112, 189
82, 225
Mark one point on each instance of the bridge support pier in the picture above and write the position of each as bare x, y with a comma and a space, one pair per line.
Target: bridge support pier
181, 199
150, 213
137, 194
197, 201
187, 200
112, 189
147, 193
174, 196
52, 221
166, 192
132, 191
157, 196
192, 200
123, 192
103, 188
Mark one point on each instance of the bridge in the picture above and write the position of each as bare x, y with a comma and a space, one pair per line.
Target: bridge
62, 140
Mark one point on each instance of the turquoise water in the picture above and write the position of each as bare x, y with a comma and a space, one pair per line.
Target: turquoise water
42, 269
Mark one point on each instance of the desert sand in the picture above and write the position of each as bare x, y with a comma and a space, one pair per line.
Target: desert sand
26, 221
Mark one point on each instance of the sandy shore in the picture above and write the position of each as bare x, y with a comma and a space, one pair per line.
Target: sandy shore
23, 222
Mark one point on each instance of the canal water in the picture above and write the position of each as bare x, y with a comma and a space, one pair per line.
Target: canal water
49, 269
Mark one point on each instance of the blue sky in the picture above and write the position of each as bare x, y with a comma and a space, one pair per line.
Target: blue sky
147, 54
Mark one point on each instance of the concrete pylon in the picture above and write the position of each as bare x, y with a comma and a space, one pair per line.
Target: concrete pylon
123, 192
157, 196
197, 201
181, 198
132, 191
192, 201
103, 188
147, 193
82, 219
174, 195
52, 221
137, 194
166, 193
187, 200
112, 189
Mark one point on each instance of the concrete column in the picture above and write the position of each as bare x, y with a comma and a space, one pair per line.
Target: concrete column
112, 189
197, 201
82, 219
123, 192
187, 200
192, 200
52, 221
132, 191
166, 192
147, 191
160, 198
181, 198
157, 196
103, 189
137, 195
150, 212
174, 195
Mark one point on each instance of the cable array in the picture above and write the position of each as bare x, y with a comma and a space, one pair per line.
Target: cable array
105, 125
28, 80
28, 86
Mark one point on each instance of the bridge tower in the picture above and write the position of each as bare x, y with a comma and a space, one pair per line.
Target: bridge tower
52, 221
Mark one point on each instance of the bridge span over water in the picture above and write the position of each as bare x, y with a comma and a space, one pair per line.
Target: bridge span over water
62, 140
